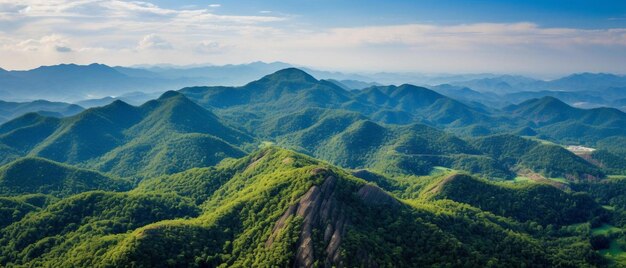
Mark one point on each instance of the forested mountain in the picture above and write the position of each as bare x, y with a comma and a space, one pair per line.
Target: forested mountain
517, 153
289, 170
116, 137
562, 122
271, 208
291, 89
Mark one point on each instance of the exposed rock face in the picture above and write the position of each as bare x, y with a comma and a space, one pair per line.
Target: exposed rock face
321, 209
373, 195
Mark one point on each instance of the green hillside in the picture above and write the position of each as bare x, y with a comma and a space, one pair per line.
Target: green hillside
14, 208
25, 132
349, 141
174, 135
549, 160
279, 208
38, 175
89, 134
70, 229
559, 121
540, 203
166, 135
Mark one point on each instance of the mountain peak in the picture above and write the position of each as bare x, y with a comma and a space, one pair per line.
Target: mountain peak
170, 94
549, 100
94, 69
290, 74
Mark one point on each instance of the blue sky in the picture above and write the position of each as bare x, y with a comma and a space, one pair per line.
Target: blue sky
575, 13
526, 37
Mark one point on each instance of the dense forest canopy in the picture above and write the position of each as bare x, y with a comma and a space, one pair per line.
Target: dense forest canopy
289, 170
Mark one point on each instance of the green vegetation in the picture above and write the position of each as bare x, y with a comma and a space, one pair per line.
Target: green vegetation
540, 203
38, 175
613, 164
368, 178
256, 211
53, 235
552, 161
163, 136
13, 209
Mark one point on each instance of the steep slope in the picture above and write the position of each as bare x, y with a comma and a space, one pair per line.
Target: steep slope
24, 132
89, 134
37, 175
174, 134
173, 112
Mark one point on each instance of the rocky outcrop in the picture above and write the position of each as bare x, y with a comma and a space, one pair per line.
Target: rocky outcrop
321, 209
373, 195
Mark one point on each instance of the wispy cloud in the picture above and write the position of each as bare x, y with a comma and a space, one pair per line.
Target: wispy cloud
45, 44
466, 36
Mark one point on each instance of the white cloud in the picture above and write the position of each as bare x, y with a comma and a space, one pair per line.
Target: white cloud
153, 41
48, 43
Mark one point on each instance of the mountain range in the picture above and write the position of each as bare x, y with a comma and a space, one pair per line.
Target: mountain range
80, 83
292, 170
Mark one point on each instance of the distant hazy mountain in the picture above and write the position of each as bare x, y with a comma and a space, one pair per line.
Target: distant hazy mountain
500, 84
588, 82
213, 75
353, 84
10, 110
576, 82
133, 98
580, 99
70, 82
